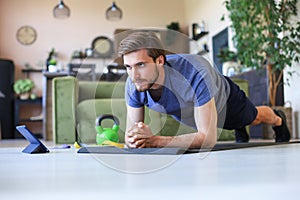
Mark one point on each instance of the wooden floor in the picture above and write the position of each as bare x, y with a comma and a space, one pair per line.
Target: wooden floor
271, 172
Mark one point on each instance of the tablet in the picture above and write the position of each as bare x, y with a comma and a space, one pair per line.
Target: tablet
35, 146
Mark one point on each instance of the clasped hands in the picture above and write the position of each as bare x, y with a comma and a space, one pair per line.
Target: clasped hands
138, 136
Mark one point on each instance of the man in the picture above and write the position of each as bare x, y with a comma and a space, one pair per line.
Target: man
191, 91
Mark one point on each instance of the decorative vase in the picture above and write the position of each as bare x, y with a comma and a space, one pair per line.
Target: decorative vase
230, 68
24, 96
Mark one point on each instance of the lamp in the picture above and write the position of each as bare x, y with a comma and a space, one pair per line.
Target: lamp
113, 13
61, 11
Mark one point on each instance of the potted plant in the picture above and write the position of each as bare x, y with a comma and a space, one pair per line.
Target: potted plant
228, 58
22, 87
266, 36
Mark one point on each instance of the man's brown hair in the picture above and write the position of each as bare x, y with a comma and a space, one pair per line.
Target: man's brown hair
142, 40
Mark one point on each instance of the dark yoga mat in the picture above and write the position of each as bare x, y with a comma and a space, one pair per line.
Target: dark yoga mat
173, 151
116, 150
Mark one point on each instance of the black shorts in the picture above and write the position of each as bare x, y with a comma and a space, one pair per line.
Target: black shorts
240, 111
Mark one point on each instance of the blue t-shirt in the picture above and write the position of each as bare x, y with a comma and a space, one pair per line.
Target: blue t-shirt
190, 81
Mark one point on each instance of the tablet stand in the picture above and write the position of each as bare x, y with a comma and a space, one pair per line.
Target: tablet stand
35, 146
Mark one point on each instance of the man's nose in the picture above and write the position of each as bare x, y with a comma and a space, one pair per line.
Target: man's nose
135, 72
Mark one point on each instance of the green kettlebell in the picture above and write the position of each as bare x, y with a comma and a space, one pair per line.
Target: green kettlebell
104, 134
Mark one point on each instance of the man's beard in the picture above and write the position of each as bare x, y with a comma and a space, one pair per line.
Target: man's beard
148, 84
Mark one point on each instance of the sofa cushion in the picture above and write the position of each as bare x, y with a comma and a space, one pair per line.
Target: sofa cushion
99, 90
171, 127
64, 101
89, 110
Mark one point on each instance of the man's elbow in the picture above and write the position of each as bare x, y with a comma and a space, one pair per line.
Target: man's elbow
209, 141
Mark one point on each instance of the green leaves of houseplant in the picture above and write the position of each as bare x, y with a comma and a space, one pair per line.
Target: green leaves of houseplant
23, 86
226, 55
266, 35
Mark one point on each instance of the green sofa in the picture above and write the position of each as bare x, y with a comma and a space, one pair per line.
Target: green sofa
77, 104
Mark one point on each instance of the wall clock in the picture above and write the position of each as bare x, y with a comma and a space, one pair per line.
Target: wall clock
102, 47
26, 35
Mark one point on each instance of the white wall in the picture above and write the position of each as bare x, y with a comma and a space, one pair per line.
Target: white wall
210, 12
292, 92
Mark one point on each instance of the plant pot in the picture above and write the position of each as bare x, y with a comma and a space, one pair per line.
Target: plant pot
24, 96
230, 68
268, 132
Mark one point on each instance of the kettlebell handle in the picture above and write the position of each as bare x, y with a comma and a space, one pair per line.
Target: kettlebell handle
107, 116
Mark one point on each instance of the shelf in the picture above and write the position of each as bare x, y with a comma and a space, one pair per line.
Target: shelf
32, 121
203, 52
55, 74
30, 101
32, 70
200, 35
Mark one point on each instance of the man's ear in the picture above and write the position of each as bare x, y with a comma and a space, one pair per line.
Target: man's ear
160, 60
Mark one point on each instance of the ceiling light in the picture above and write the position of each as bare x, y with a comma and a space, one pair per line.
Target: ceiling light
61, 11
113, 13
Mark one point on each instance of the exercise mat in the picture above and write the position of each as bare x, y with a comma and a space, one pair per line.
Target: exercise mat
117, 150
174, 151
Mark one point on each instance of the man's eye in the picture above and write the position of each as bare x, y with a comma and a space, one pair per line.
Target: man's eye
127, 66
141, 64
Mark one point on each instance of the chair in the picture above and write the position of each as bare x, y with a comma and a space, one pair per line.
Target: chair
82, 72
116, 72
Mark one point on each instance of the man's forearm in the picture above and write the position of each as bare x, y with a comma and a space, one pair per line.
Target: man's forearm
192, 140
